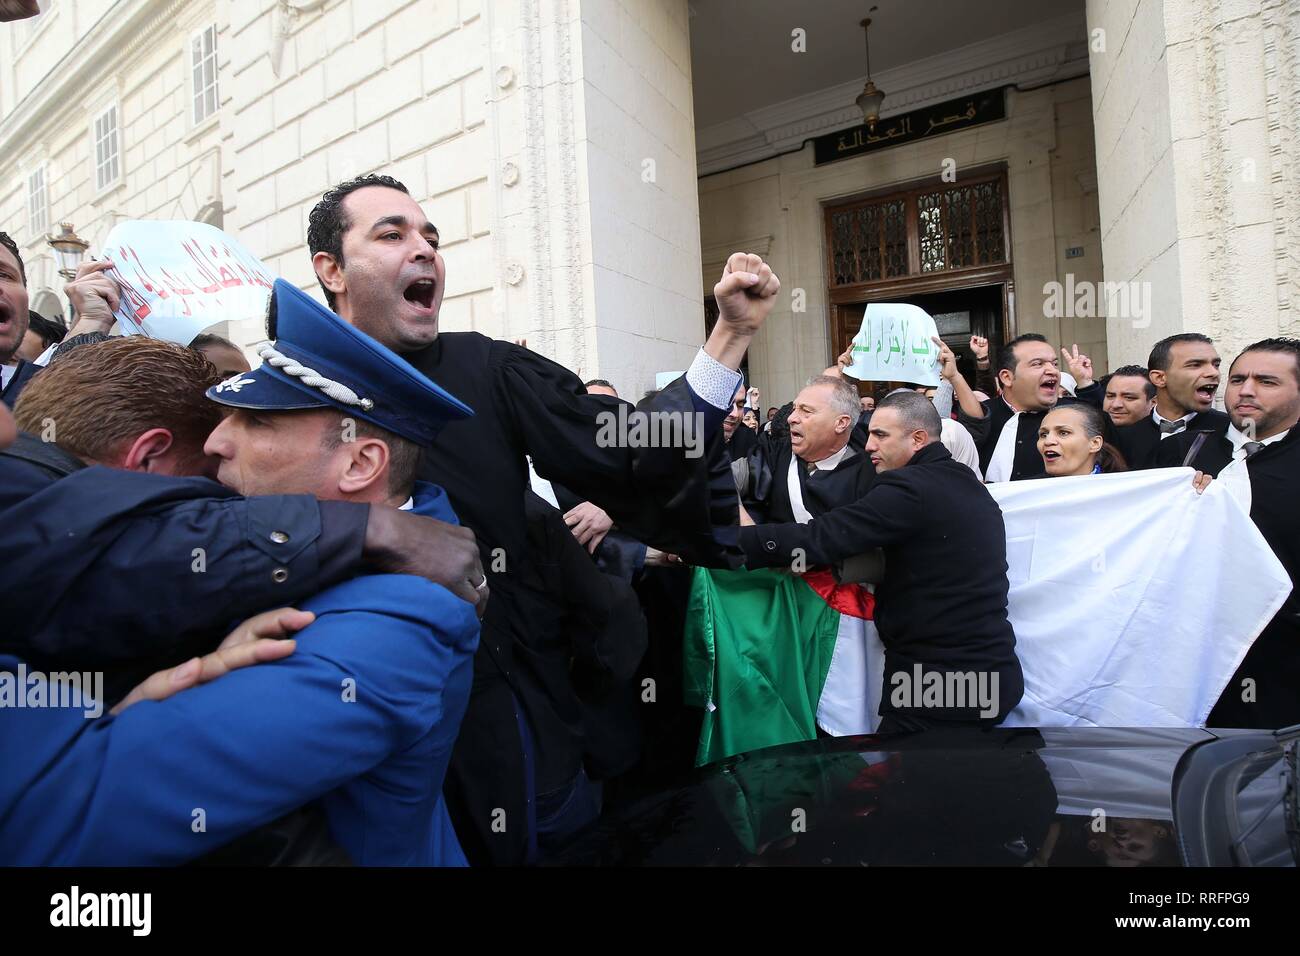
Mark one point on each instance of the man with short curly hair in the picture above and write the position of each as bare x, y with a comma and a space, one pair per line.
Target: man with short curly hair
379, 260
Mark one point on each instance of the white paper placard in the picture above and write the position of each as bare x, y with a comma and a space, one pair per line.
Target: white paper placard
177, 278
893, 345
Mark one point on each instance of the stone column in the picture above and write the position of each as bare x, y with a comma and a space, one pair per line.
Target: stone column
595, 209
1196, 106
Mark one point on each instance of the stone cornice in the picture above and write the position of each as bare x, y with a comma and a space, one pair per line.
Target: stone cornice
1042, 53
113, 40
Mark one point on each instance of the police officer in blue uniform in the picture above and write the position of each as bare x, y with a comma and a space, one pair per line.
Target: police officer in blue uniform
362, 717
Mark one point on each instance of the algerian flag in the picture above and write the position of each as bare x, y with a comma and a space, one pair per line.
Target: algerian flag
1133, 599
759, 647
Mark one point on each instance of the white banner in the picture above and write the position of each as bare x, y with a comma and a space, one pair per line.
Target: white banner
893, 345
1133, 598
177, 278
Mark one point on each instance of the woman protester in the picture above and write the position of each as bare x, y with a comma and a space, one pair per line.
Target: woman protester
1071, 443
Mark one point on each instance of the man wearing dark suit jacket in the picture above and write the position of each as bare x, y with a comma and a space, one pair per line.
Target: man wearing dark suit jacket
1256, 454
941, 608
1006, 433
817, 460
377, 258
14, 371
1184, 369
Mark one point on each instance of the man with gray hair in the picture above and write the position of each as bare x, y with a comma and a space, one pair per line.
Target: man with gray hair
941, 607
815, 470
795, 480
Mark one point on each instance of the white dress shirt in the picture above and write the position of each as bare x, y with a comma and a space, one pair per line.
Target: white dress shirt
1158, 419
829, 463
1003, 460
712, 381
1235, 476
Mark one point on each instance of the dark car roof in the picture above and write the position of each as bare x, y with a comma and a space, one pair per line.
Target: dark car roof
1059, 796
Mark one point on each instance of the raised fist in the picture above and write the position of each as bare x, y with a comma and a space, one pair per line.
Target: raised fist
746, 292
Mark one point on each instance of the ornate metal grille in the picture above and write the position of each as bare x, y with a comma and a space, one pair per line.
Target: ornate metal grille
918, 232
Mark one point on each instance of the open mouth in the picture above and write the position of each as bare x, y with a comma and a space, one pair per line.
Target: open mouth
1206, 392
1050, 456
1049, 385
421, 292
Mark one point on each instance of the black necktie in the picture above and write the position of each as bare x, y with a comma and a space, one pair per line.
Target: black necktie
1174, 427
1251, 447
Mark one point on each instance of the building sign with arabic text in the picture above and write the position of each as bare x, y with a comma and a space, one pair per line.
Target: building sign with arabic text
963, 113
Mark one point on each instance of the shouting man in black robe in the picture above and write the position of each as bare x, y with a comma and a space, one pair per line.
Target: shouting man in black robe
376, 256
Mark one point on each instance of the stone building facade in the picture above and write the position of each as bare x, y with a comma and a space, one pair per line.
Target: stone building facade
589, 163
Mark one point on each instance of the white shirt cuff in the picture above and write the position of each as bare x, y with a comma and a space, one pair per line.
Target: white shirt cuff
712, 381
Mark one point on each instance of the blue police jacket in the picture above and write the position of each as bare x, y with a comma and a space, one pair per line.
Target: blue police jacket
362, 716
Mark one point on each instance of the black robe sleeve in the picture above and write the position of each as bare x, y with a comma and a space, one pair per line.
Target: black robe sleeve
888, 513
679, 499
1093, 394
978, 427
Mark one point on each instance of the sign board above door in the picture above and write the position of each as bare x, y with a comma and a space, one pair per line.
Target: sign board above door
947, 117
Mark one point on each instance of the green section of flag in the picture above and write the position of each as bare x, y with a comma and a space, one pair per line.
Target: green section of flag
769, 802
758, 646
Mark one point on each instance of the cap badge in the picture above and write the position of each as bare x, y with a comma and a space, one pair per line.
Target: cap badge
235, 383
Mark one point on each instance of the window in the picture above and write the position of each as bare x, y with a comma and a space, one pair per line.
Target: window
107, 149
203, 73
38, 203
938, 229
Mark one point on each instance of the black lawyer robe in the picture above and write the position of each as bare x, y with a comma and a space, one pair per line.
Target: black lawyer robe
1140, 442
1028, 463
1273, 661
743, 441
525, 404
768, 496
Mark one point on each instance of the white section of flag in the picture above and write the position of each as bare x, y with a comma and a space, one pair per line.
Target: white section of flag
1133, 598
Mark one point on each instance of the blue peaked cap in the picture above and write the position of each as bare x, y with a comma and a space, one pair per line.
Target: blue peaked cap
347, 370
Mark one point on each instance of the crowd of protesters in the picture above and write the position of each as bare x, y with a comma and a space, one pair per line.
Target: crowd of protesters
389, 598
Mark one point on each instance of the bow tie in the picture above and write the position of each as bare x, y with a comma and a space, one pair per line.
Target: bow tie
1174, 427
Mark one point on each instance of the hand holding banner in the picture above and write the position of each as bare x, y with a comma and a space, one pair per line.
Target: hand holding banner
177, 278
893, 345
